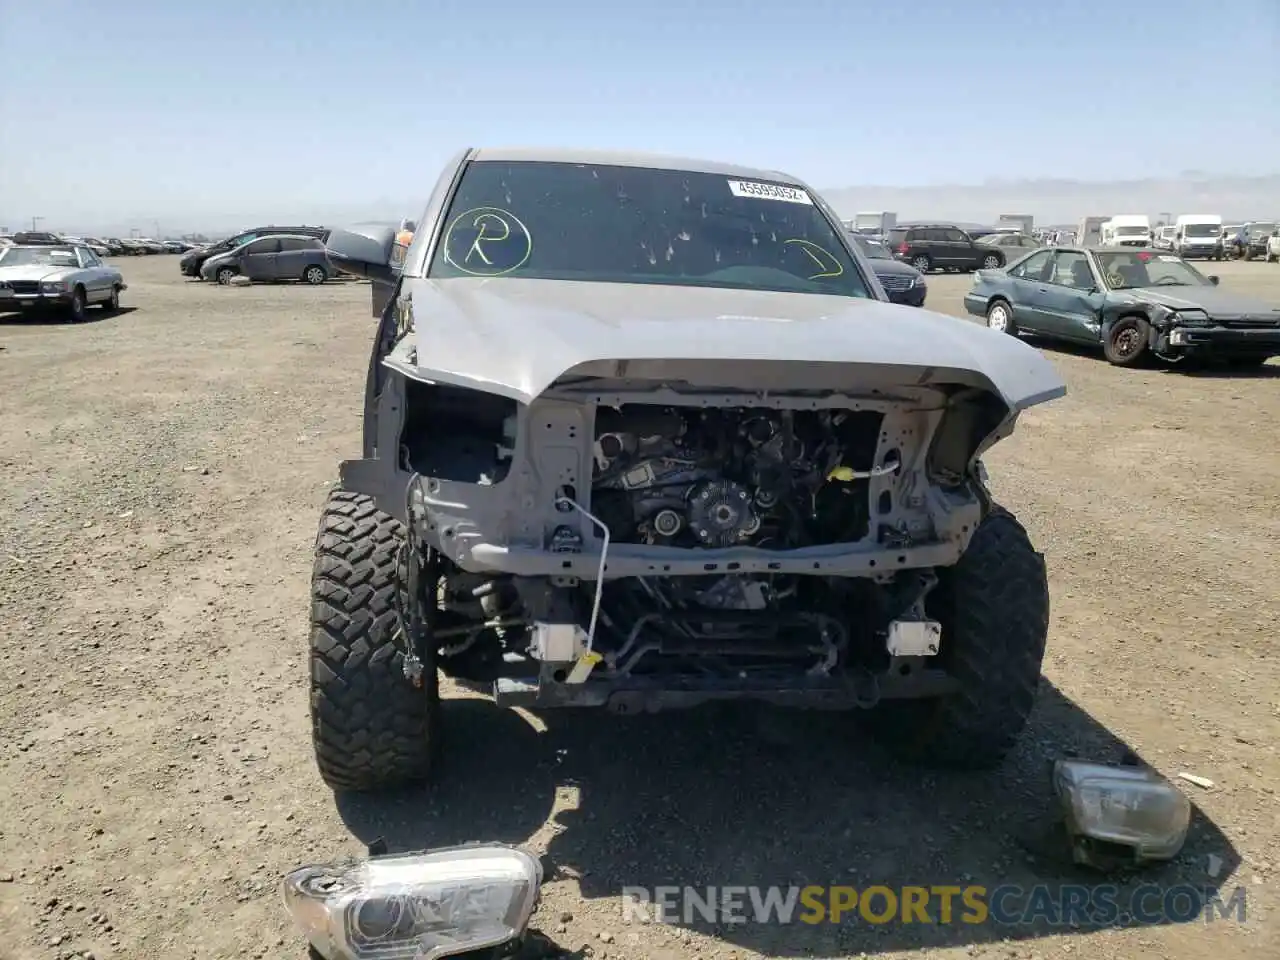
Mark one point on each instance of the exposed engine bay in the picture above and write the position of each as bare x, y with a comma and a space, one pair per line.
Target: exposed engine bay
720, 477
699, 546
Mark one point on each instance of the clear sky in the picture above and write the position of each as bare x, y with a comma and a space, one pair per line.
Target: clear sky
116, 110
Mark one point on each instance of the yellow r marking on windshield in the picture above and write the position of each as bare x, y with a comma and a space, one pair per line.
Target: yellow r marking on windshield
808, 246
483, 221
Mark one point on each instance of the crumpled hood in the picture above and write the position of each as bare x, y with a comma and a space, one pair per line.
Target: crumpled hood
518, 336
1213, 300
35, 271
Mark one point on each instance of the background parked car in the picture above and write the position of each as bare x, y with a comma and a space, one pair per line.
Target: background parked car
194, 260
32, 237
901, 281
1230, 240
65, 277
1256, 235
941, 246
1012, 245
271, 258
1131, 302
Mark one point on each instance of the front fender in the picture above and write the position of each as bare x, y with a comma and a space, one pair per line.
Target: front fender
1155, 315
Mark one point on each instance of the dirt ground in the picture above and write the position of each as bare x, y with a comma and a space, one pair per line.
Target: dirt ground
161, 473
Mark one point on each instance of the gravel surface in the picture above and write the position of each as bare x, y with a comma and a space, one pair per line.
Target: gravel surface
161, 473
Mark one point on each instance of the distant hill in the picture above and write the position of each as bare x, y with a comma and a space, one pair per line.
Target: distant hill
1067, 201
1049, 201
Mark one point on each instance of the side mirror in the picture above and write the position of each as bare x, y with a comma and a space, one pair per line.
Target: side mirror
1214, 280
363, 250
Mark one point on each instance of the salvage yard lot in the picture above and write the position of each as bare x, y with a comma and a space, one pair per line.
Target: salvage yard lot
161, 473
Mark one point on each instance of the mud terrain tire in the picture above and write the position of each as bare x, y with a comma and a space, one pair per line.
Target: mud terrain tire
994, 609
370, 727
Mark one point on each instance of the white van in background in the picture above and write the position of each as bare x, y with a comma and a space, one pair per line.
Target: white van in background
1127, 230
1198, 235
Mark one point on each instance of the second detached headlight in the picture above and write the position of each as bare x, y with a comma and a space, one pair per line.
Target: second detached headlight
416, 906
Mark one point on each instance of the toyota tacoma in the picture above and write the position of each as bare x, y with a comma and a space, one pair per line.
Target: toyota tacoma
642, 433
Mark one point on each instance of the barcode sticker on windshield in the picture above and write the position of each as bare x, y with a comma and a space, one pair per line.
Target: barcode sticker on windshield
768, 191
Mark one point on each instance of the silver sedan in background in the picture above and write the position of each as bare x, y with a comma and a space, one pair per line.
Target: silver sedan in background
66, 278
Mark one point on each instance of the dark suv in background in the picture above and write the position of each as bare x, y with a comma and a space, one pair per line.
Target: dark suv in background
191, 263
34, 238
942, 246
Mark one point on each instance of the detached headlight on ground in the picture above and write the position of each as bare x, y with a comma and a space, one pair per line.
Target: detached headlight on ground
416, 906
1126, 807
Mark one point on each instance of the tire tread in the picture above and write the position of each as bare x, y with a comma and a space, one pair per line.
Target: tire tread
371, 728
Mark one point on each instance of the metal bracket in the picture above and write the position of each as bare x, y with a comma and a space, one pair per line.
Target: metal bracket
914, 638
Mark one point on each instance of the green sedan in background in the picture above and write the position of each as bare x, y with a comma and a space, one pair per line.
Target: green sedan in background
1134, 303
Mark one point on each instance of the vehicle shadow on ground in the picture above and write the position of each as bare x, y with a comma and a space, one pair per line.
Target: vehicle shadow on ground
49, 319
734, 795
1210, 369
1270, 371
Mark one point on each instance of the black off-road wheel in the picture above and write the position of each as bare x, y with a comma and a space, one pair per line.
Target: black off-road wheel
994, 609
1126, 343
371, 728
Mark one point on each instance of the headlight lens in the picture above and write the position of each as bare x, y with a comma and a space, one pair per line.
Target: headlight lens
1192, 317
417, 906
53, 286
1133, 807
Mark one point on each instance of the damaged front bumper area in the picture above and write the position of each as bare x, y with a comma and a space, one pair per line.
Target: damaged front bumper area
637, 547
1177, 335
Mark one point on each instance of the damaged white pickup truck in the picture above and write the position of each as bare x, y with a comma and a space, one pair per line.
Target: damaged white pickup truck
642, 433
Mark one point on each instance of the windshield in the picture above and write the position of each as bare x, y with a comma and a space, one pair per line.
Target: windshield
1261, 229
1201, 230
872, 248
38, 256
1126, 271
1131, 231
614, 224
